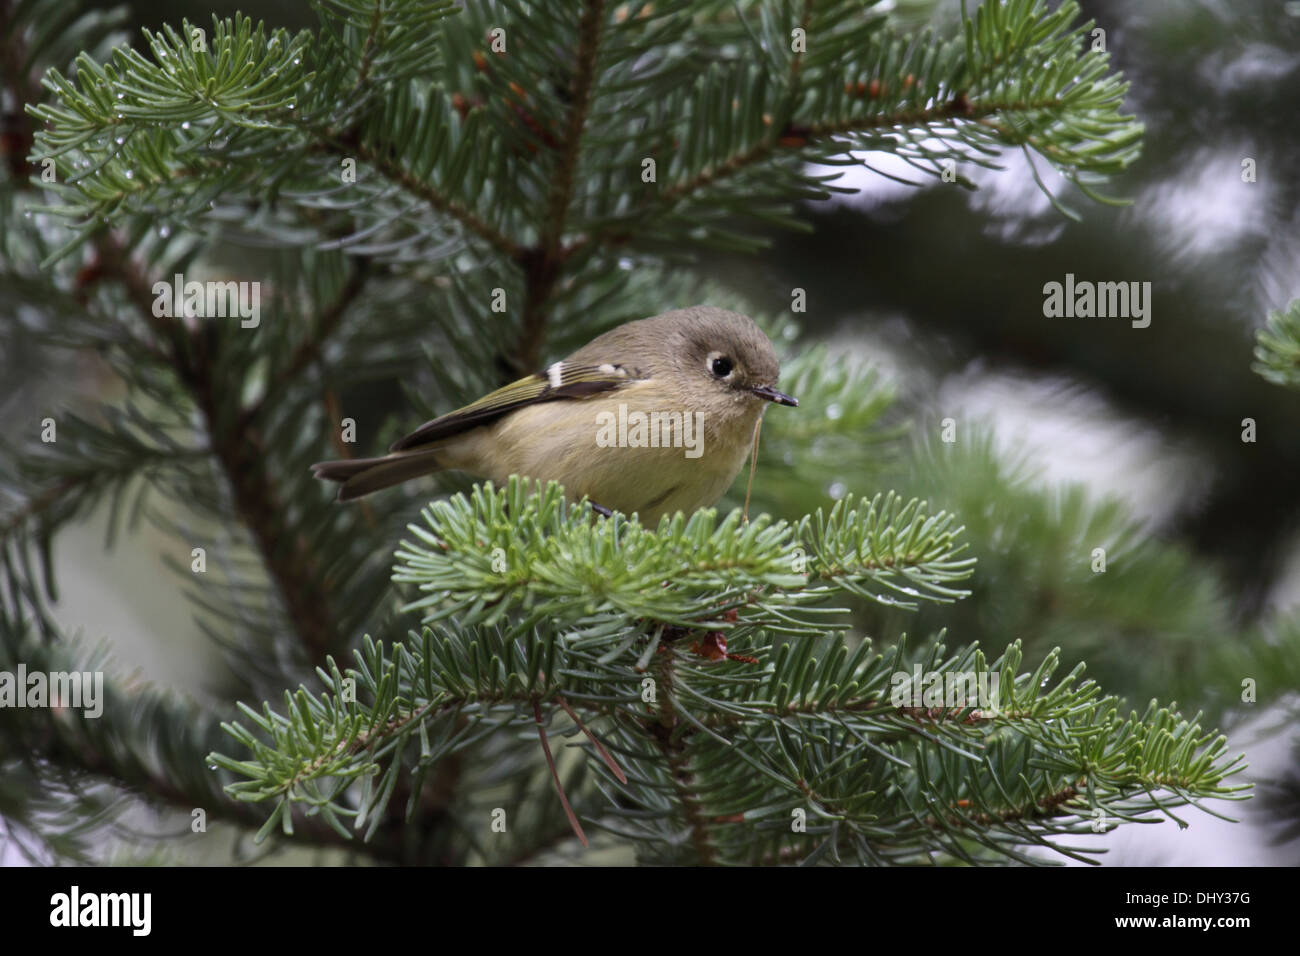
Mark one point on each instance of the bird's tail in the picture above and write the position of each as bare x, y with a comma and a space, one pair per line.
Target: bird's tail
361, 476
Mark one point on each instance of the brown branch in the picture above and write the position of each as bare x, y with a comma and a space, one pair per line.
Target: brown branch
41, 503
673, 748
16, 136
605, 755
542, 263
288, 557
1049, 805
309, 350
242, 455
555, 773
398, 174
368, 51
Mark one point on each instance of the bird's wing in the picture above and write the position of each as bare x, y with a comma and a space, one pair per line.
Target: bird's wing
563, 380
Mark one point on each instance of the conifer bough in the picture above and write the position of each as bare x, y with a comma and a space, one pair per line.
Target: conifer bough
727, 713
788, 746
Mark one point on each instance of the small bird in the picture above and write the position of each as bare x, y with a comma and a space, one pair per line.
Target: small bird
653, 417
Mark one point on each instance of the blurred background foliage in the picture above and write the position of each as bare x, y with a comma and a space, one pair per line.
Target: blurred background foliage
1072, 433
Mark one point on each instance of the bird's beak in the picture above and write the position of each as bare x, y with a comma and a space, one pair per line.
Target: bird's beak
768, 393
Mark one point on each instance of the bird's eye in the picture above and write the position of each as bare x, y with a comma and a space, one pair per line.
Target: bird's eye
721, 366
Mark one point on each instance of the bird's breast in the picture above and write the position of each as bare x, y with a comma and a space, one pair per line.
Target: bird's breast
624, 451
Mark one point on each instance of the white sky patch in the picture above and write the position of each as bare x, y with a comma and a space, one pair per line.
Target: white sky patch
1277, 280
872, 348
872, 188
1011, 191
1206, 210
1255, 65
1284, 595
1071, 434
1016, 209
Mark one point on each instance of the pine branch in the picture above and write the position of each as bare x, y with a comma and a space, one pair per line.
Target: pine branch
1277, 352
688, 573
1080, 736
310, 350
672, 746
437, 200
143, 135
722, 745
1044, 577
521, 172
543, 262
66, 749
241, 454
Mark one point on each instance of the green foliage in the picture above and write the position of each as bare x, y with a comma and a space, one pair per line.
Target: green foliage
847, 425
261, 116
1277, 354
1040, 576
498, 551
522, 171
719, 754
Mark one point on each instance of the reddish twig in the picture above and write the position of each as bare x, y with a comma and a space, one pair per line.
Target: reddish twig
555, 774
605, 755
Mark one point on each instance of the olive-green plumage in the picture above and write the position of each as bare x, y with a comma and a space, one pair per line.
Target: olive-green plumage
652, 417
